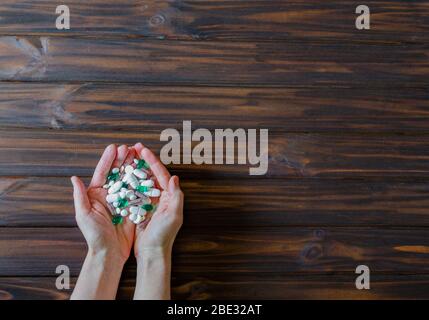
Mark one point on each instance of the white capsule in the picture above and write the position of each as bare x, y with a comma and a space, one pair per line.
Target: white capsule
134, 184
133, 217
139, 219
111, 182
116, 187
129, 169
116, 204
140, 174
129, 193
138, 210
133, 197
136, 161
124, 212
114, 197
153, 193
115, 170
118, 210
147, 183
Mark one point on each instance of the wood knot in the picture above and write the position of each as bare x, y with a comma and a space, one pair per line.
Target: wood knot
311, 252
157, 20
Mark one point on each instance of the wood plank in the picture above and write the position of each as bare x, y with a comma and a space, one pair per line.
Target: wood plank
66, 153
211, 62
47, 202
392, 21
228, 287
280, 251
135, 108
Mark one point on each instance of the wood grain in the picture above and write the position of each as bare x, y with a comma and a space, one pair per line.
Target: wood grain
47, 202
138, 108
202, 251
67, 153
392, 21
240, 287
211, 62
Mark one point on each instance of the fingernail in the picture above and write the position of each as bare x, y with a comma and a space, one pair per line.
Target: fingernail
176, 181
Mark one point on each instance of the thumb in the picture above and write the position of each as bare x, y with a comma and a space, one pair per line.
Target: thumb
81, 201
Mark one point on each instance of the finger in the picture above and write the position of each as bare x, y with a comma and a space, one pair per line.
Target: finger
139, 148
174, 191
159, 170
103, 167
81, 201
130, 156
121, 154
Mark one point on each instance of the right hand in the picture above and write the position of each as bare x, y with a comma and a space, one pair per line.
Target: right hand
157, 234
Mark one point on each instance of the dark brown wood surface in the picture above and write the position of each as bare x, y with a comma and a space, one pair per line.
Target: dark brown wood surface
45, 201
231, 287
347, 110
291, 155
393, 20
214, 62
138, 108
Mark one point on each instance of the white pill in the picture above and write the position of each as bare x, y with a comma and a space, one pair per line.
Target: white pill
133, 197
124, 213
116, 204
111, 182
116, 187
140, 174
129, 169
129, 193
122, 168
106, 186
153, 193
136, 161
134, 184
114, 197
147, 183
115, 170
139, 219
122, 194
118, 210
138, 210
133, 217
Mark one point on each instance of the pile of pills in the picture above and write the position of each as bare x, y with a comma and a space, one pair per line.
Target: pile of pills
130, 189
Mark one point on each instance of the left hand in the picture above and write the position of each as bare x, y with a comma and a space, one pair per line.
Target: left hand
92, 215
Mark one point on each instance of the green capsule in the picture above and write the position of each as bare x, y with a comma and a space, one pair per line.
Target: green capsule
147, 207
117, 220
113, 176
142, 164
142, 189
122, 203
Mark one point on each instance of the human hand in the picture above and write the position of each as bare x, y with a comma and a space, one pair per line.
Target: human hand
92, 214
158, 232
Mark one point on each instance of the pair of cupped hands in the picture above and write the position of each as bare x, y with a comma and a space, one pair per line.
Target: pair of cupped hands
155, 234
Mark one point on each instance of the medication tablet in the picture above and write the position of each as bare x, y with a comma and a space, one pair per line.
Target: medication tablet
116, 187
112, 197
129, 169
140, 174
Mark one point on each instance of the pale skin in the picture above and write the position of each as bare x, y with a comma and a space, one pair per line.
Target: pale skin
109, 246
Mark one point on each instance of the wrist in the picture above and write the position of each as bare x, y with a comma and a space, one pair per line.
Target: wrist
105, 258
154, 254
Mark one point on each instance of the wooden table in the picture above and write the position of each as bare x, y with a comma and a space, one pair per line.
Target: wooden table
347, 110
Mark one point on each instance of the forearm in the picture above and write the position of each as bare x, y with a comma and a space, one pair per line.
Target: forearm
99, 277
153, 276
